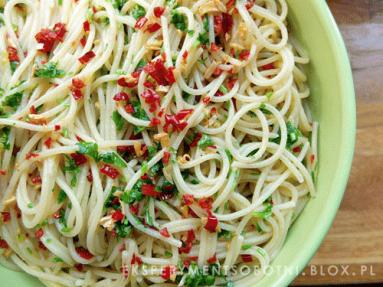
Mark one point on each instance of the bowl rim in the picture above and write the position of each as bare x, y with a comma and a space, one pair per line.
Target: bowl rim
348, 136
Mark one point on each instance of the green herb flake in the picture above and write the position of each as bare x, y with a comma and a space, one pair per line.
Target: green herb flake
246, 246
205, 142
49, 71
4, 138
57, 260
138, 11
266, 213
118, 120
88, 148
179, 21
61, 196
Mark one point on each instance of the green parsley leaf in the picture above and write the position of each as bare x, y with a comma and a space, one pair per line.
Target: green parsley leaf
292, 134
57, 260
61, 196
263, 108
138, 11
134, 195
88, 148
113, 158
123, 229
246, 246
13, 65
266, 213
118, 120
49, 71
4, 138
13, 101
179, 21
205, 141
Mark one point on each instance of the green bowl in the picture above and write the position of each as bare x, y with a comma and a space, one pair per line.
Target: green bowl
333, 105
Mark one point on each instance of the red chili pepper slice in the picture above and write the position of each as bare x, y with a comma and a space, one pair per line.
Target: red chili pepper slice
165, 232
86, 26
6, 216
121, 96
77, 94
162, 75
123, 83
206, 203
154, 122
158, 11
188, 199
48, 142
140, 22
83, 41
247, 258
167, 272
212, 223
78, 158
87, 57
36, 180
118, 215
129, 108
212, 259
153, 27
77, 83
84, 253
31, 155
3, 244
151, 98
149, 190
39, 233
12, 54
110, 171
89, 176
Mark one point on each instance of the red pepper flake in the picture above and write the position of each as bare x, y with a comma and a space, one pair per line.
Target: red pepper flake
125, 271
167, 272
77, 94
269, 66
206, 100
118, 215
230, 4
136, 259
165, 232
84, 253
185, 55
244, 55
48, 37
149, 190
162, 75
158, 11
3, 244
247, 258
79, 267
31, 155
110, 171
86, 26
227, 23
188, 199
89, 176
140, 22
206, 203
297, 149
214, 47
129, 108
83, 41
166, 157
149, 85
196, 140
78, 158
134, 208
77, 83
123, 83
6, 216
154, 122
212, 259
12, 54
312, 158
36, 180
249, 4
48, 142
3, 172
188, 244
211, 223
87, 57
57, 128
56, 215
121, 97
42, 246
153, 27
217, 72
39, 233
151, 98
230, 83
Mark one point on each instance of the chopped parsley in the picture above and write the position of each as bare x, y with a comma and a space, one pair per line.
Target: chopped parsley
4, 138
205, 142
57, 260
118, 120
179, 21
138, 11
135, 194
118, 4
49, 71
13, 101
61, 196
113, 158
71, 167
88, 148
266, 213
123, 228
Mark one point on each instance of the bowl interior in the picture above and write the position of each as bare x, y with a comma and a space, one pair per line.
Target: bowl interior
333, 105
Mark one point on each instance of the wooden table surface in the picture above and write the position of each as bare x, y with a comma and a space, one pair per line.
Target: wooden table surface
356, 238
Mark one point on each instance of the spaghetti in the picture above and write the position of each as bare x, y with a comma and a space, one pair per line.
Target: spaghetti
144, 139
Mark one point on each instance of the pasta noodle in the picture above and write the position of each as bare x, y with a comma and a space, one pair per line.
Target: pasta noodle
144, 139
